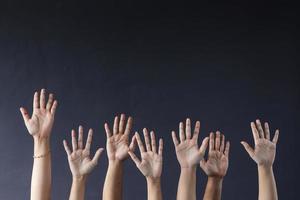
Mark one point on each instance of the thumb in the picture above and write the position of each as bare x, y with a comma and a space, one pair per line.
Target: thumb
24, 114
97, 155
249, 149
134, 158
202, 164
132, 144
203, 146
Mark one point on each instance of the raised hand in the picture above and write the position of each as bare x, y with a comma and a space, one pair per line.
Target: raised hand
187, 151
79, 159
264, 155
117, 143
265, 149
151, 161
217, 162
39, 125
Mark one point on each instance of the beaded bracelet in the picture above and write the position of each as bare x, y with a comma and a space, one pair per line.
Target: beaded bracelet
42, 156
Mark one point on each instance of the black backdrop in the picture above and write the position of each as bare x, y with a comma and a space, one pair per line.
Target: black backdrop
224, 64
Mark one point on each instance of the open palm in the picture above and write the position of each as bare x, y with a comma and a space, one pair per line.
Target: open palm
117, 147
41, 122
117, 143
79, 159
265, 150
151, 161
217, 162
187, 151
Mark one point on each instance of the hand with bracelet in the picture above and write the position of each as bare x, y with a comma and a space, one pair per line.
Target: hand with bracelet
80, 162
263, 155
188, 155
150, 164
39, 126
216, 165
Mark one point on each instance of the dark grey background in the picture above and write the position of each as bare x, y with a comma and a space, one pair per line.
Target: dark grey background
224, 64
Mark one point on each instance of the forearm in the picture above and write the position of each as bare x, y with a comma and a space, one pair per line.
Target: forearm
112, 189
267, 184
78, 188
213, 189
154, 189
41, 172
187, 184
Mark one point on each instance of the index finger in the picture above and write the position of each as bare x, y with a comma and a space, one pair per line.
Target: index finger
116, 125
89, 140
36, 100
128, 126
196, 130
139, 141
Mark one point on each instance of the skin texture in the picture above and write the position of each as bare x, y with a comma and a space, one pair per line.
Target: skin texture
215, 167
39, 126
150, 164
264, 155
81, 165
188, 155
117, 145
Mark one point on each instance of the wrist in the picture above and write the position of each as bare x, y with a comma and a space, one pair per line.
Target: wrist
115, 162
265, 168
41, 146
153, 181
115, 165
41, 137
215, 179
214, 183
40, 140
79, 178
188, 172
189, 169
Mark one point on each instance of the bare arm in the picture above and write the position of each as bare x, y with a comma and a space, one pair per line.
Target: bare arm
81, 165
78, 188
117, 145
113, 181
39, 125
154, 190
151, 163
41, 171
264, 155
216, 166
188, 155
187, 184
213, 188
